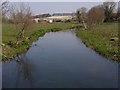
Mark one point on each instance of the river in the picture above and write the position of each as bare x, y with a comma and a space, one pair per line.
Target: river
59, 60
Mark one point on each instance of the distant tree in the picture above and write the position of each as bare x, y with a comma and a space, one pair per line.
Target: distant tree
109, 8
21, 17
78, 16
46, 15
95, 15
118, 12
5, 7
42, 15
81, 15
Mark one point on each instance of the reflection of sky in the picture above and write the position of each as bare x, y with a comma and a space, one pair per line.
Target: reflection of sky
53, 7
60, 59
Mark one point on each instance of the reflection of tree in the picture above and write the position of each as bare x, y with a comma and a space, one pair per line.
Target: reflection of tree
24, 68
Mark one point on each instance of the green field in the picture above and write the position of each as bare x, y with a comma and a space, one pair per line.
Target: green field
9, 33
99, 38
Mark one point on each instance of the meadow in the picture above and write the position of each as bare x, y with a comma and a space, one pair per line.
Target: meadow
102, 38
9, 31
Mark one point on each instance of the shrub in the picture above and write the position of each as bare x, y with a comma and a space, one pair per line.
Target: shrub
11, 44
55, 29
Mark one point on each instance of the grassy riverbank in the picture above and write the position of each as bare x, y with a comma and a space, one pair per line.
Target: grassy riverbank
99, 38
36, 30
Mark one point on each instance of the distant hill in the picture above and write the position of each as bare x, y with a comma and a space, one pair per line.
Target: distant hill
42, 15
54, 14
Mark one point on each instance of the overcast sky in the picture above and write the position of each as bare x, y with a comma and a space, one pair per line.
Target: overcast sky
56, 7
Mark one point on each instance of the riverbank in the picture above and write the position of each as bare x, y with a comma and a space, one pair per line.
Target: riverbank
102, 38
36, 31
98, 37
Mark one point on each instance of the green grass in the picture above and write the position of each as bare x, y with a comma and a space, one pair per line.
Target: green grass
98, 38
9, 33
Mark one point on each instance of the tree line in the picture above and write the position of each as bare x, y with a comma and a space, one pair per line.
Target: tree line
98, 14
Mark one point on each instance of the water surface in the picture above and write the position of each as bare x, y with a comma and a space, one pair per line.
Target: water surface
60, 60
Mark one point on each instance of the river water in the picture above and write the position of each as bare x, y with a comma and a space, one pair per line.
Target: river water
60, 60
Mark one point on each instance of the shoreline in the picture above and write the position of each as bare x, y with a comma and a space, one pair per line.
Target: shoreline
101, 44
82, 34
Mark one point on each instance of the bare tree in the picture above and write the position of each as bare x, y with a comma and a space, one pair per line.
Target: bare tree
81, 15
4, 7
118, 11
109, 7
78, 16
83, 12
95, 15
21, 17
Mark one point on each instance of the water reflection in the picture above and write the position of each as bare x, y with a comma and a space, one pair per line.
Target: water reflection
24, 68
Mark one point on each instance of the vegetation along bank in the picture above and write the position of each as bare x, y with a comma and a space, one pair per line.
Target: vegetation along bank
36, 31
102, 38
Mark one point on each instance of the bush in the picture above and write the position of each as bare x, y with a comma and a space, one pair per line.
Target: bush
24, 42
55, 29
11, 44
